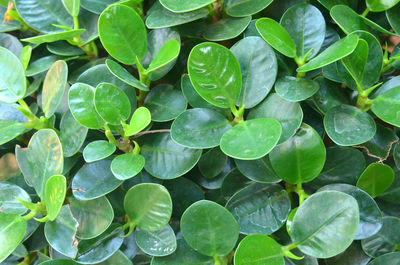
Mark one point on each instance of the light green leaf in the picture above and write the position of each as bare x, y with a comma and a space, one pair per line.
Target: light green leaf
12, 78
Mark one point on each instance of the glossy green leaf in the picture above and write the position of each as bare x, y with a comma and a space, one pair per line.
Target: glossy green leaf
12, 80
12, 231
233, 182
140, 119
54, 87
123, 33
380, 5
276, 36
347, 125
41, 65
209, 228
81, 104
72, 6
55, 190
111, 103
389, 258
38, 162
59, 262
375, 179
63, 48
157, 243
393, 18
352, 255
53, 37
226, 28
259, 67
329, 95
165, 103
333, 53
72, 134
295, 89
321, 233
210, 75
98, 150
387, 106
166, 54
127, 165
158, 208
62, 231
260, 208
199, 128
301, 158
122, 74
242, 8
212, 163
166, 159
11, 43
9, 130
93, 216
94, 180
182, 6
259, 170
356, 61
259, 250
119, 258
306, 25
96, 6
8, 203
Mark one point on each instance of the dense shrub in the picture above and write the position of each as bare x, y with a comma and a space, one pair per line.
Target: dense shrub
189, 132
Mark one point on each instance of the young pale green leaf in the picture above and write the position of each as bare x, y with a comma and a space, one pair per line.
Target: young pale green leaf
251, 139
166, 54
375, 179
9, 130
54, 87
54, 192
324, 233
204, 224
12, 231
12, 78
8, 202
242, 8
347, 125
140, 119
72, 6
276, 36
355, 62
158, 208
123, 34
380, 5
215, 74
38, 162
127, 165
122, 74
259, 250
158, 243
111, 103
53, 37
98, 150
81, 105
301, 158
387, 106
333, 53
295, 89
182, 6
227, 28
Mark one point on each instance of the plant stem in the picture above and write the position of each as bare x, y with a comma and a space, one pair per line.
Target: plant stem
28, 259
153, 131
111, 137
76, 22
302, 194
220, 260
39, 207
365, 13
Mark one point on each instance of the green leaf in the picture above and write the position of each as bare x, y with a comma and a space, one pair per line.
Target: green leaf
165, 103
122, 74
306, 25
387, 106
276, 36
251, 139
393, 18
329, 95
12, 79
93, 216
352, 255
331, 3
242, 8
61, 232
212, 163
199, 128
157, 243
81, 105
166, 54
98, 150
289, 114
140, 119
165, 159
96, 6
226, 28
8, 202
260, 208
295, 89
38, 162
389, 258
123, 34
356, 62
12, 231
160, 17
40, 65
215, 74
9, 130
259, 170
347, 125
54, 87
111, 103
158, 208
127, 165
301, 158
380, 5
375, 179
259, 250
233, 182
182, 6
333, 53
72, 134
323, 233
119, 258
55, 190
72, 6
259, 69
94, 180
53, 37
209, 228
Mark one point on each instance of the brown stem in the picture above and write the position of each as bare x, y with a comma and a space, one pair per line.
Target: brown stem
153, 131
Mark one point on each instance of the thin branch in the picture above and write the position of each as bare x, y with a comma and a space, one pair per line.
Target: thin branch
153, 131
380, 159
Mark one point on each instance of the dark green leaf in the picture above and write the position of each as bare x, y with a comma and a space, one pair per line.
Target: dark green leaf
295, 89
212, 163
226, 28
389, 258
182, 6
259, 170
157, 243
242, 8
